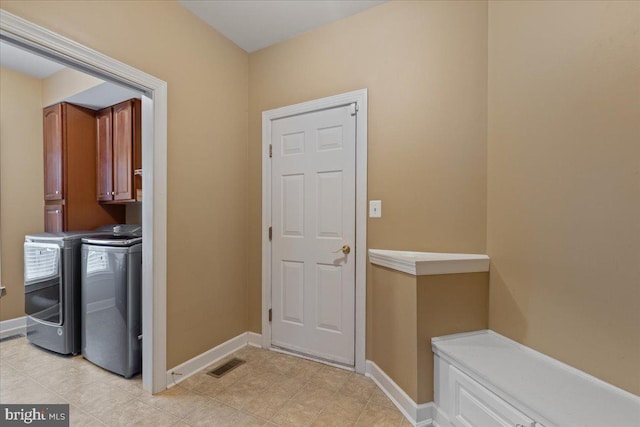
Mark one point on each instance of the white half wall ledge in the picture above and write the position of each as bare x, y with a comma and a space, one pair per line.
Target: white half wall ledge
429, 263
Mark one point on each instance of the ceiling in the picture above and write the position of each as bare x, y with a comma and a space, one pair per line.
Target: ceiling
255, 24
251, 24
17, 59
99, 96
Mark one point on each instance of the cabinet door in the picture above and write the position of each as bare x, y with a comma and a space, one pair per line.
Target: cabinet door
53, 154
104, 155
123, 151
475, 406
53, 218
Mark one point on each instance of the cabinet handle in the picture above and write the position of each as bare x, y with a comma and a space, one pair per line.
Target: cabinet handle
113, 193
57, 192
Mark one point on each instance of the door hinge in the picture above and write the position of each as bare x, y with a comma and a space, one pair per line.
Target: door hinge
270, 151
354, 108
270, 233
270, 315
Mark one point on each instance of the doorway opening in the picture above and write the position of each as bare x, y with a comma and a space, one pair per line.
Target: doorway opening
33, 38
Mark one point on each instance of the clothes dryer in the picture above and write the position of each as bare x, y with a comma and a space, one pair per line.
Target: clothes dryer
52, 289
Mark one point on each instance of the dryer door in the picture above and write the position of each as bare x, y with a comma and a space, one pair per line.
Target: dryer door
43, 283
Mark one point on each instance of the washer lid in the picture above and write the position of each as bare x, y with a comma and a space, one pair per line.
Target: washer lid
112, 240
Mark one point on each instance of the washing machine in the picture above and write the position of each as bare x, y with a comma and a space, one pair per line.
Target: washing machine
111, 302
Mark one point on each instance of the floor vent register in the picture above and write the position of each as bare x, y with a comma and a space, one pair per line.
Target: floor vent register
226, 367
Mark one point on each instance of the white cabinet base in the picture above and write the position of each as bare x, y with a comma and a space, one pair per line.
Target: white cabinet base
483, 379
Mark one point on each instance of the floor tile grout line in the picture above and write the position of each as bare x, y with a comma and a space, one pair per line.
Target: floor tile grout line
288, 400
46, 387
158, 408
89, 414
364, 409
298, 393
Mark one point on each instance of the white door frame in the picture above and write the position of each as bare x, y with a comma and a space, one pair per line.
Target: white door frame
359, 97
154, 164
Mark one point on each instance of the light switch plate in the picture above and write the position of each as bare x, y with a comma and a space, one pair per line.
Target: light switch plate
375, 208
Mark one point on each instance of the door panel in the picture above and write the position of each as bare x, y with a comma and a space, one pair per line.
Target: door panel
313, 216
329, 204
329, 297
293, 292
330, 138
53, 160
293, 144
293, 205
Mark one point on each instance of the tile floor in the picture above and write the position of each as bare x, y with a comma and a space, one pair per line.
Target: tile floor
271, 389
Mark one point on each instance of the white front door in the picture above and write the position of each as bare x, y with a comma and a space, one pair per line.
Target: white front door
313, 216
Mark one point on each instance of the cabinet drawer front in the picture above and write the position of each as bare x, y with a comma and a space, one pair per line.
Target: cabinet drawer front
475, 406
54, 218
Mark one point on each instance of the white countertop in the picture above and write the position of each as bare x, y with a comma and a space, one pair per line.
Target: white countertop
429, 263
557, 393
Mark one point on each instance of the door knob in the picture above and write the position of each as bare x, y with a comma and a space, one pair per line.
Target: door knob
345, 250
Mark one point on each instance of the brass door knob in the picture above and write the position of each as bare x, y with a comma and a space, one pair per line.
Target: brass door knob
345, 250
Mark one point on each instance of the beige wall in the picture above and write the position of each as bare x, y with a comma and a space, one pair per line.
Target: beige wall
564, 182
392, 326
425, 66
64, 84
21, 180
404, 312
207, 152
447, 304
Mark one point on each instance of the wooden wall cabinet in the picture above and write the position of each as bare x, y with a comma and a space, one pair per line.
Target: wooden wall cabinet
119, 153
69, 171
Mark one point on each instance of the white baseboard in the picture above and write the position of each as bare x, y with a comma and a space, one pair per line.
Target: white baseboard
440, 419
419, 415
11, 327
205, 359
254, 339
